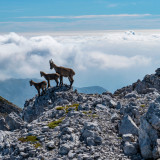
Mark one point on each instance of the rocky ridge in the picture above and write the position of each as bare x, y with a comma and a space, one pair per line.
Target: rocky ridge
65, 124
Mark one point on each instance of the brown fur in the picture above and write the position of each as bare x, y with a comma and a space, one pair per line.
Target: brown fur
48, 77
63, 72
41, 85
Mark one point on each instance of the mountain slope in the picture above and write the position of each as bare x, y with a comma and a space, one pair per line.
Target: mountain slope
7, 107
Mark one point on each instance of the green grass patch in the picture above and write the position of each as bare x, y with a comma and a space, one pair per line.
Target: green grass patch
142, 105
89, 114
85, 112
55, 123
36, 145
60, 108
75, 106
31, 139
94, 115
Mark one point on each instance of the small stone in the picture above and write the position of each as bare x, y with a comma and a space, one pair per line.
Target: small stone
129, 148
128, 137
45, 129
50, 145
64, 149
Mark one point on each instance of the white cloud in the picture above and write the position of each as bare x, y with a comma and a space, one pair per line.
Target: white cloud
22, 57
86, 16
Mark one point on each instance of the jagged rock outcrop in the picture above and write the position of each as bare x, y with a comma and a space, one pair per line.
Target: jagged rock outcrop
149, 132
149, 84
128, 126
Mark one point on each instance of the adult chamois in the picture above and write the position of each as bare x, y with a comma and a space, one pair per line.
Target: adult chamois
48, 77
63, 72
41, 85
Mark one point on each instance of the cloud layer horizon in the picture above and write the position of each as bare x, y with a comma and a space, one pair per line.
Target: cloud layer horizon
109, 60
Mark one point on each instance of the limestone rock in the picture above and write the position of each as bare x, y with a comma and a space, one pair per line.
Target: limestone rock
3, 125
153, 115
130, 148
147, 138
14, 121
128, 126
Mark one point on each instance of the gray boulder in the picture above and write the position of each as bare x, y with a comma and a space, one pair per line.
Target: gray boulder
50, 145
112, 104
90, 135
91, 126
114, 117
130, 148
147, 138
3, 134
131, 95
128, 138
100, 107
153, 115
128, 126
14, 121
65, 148
84, 106
3, 125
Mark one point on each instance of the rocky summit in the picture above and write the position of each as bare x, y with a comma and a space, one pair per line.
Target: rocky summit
63, 124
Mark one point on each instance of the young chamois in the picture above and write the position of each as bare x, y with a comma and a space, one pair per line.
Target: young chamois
48, 77
63, 72
41, 85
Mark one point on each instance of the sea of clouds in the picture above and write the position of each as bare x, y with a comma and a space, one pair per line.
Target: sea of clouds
110, 60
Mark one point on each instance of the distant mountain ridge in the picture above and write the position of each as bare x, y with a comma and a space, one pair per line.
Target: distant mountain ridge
18, 90
91, 89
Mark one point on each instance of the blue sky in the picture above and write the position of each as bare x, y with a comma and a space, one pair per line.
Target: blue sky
61, 15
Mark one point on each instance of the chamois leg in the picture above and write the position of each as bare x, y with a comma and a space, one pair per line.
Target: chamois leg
43, 89
38, 92
61, 80
48, 83
71, 80
56, 82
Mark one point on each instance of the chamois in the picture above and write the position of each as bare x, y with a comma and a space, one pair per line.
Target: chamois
41, 85
48, 77
63, 72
